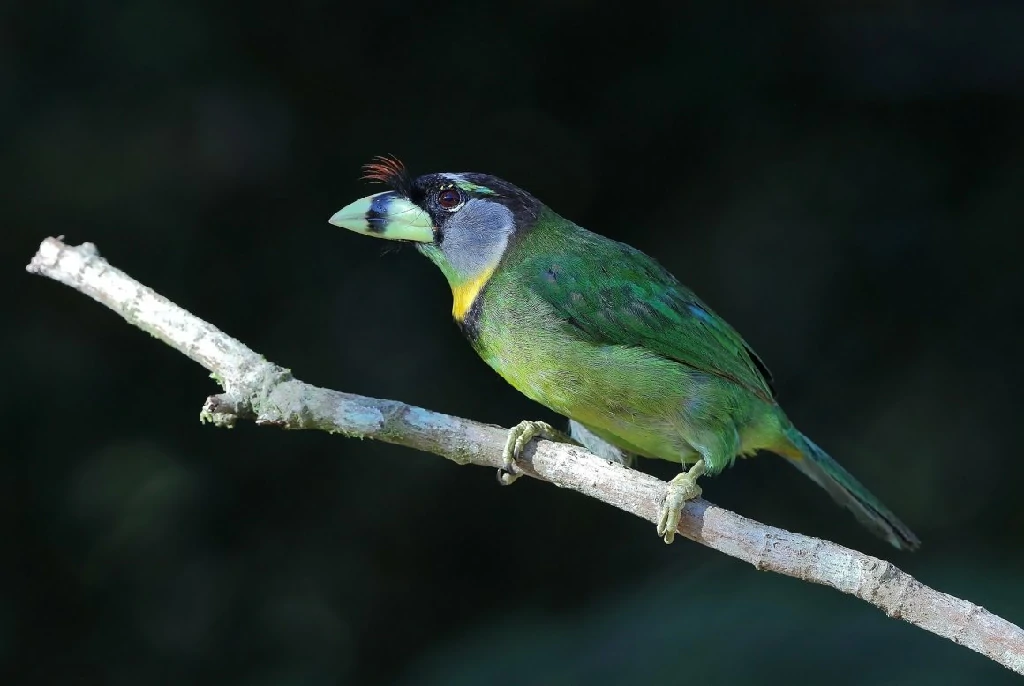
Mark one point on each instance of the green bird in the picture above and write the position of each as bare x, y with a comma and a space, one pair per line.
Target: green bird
601, 333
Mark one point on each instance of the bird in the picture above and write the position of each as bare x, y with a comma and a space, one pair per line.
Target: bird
601, 333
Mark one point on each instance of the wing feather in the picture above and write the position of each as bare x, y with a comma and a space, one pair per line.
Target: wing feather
628, 299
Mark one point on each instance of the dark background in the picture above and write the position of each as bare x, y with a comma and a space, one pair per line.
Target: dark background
843, 181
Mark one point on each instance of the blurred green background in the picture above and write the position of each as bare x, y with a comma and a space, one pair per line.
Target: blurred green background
843, 181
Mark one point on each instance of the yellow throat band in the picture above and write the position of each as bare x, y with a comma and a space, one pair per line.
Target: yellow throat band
465, 293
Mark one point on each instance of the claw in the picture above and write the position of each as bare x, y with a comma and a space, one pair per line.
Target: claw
680, 490
518, 437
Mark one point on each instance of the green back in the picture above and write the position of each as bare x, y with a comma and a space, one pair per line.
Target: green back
613, 294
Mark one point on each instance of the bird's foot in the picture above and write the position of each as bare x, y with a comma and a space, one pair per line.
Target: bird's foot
680, 489
518, 436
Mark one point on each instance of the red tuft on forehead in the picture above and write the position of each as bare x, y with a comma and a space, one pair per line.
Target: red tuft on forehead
388, 170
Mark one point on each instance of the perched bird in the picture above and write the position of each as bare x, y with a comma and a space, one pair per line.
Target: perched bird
600, 333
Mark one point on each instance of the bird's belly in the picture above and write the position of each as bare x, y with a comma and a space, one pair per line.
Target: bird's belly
628, 396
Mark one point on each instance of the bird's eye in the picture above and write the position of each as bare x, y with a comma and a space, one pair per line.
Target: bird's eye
449, 199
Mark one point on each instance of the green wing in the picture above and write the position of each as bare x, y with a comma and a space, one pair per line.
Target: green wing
613, 294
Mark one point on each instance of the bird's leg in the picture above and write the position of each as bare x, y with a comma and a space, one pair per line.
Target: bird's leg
680, 489
518, 436
597, 445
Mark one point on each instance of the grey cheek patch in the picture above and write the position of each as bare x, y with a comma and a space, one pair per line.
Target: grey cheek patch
476, 236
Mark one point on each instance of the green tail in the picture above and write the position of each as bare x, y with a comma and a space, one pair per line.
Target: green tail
849, 492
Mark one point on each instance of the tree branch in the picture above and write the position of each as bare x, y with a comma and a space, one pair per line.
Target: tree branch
260, 390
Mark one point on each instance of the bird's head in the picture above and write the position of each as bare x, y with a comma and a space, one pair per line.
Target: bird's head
462, 222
